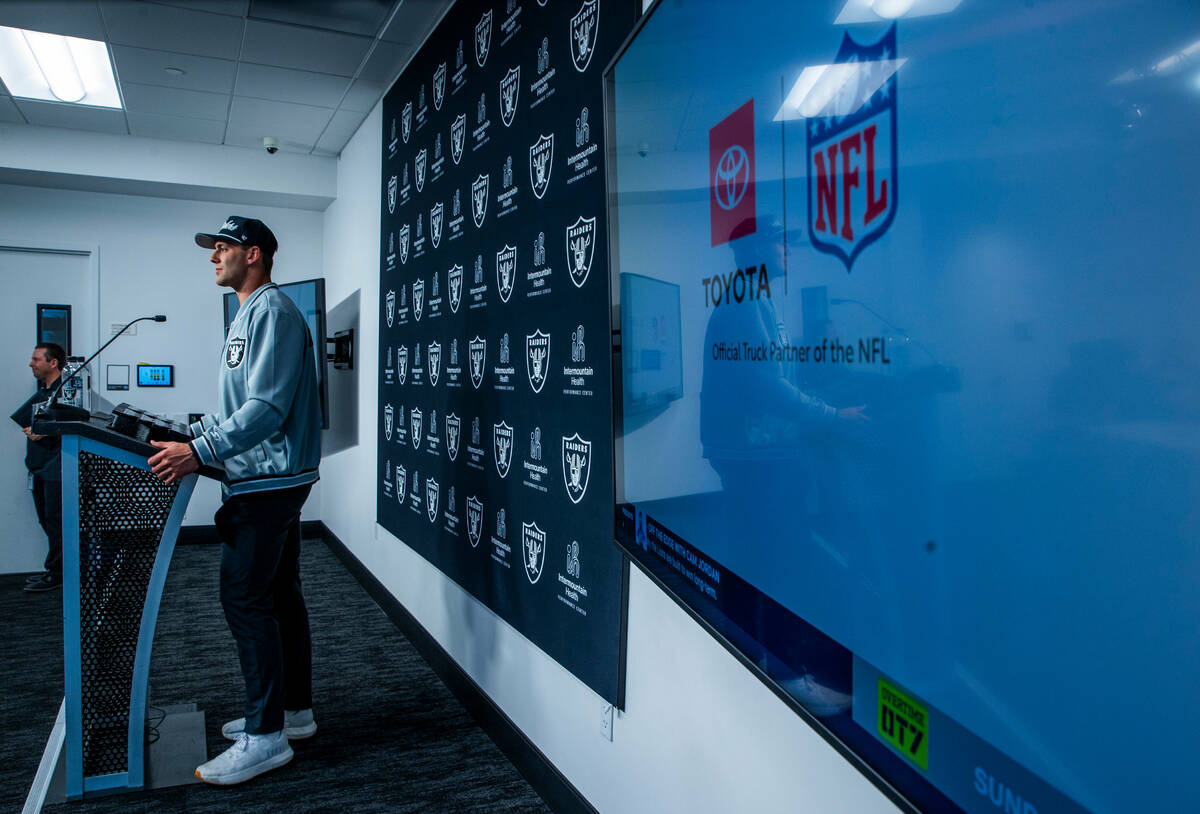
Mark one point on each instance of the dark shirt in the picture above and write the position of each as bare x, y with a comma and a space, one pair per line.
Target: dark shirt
42, 457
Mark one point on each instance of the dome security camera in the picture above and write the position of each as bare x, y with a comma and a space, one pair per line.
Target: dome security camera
272, 144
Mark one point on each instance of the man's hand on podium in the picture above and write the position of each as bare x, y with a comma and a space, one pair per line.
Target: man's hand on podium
173, 461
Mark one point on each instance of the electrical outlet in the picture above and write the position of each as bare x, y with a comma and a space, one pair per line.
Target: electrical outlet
606, 723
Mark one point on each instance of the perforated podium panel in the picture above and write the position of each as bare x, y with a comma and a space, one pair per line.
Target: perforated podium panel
120, 524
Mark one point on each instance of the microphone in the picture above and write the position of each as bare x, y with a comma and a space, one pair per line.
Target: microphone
67, 412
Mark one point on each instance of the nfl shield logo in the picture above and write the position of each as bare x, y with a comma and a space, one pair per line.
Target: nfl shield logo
414, 423
479, 199
477, 349
419, 165
453, 431
506, 271
401, 482
418, 298
541, 162
533, 544
435, 362
404, 244
483, 38
435, 223
584, 27
852, 162
402, 363
388, 417
406, 122
510, 87
392, 186
502, 446
576, 466
537, 363
431, 498
455, 277
390, 307
439, 86
458, 134
474, 519
581, 240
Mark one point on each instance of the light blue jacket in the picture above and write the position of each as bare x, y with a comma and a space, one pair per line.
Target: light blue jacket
268, 428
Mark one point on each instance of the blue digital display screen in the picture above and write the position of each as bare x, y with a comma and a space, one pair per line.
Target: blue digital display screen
156, 375
908, 409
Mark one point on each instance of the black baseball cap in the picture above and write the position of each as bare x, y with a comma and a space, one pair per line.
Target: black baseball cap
244, 232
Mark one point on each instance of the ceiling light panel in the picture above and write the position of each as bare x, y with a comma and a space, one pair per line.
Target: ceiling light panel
54, 68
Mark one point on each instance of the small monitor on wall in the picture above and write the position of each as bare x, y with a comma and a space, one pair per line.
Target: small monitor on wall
155, 375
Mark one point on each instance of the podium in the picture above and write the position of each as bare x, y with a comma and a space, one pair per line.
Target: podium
120, 525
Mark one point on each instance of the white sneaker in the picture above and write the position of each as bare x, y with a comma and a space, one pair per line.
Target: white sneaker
250, 756
298, 724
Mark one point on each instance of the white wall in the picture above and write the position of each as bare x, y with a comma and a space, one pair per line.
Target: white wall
150, 264
699, 733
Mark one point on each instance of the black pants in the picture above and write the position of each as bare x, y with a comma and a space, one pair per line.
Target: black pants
260, 593
47, 500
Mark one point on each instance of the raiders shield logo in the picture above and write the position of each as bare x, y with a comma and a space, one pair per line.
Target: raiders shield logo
502, 447
581, 240
477, 350
506, 271
404, 244
435, 362
235, 351
576, 466
393, 184
510, 89
533, 545
474, 520
458, 135
537, 363
439, 86
435, 223
453, 432
402, 363
479, 199
389, 307
415, 421
406, 122
483, 38
431, 499
419, 166
401, 483
454, 278
388, 417
418, 298
541, 162
584, 27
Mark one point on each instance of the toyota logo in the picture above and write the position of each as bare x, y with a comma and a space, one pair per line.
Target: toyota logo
732, 177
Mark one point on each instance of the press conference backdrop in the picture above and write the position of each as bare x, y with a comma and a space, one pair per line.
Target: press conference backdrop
495, 423
934, 464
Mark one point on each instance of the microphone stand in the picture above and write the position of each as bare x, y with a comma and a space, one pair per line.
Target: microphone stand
68, 412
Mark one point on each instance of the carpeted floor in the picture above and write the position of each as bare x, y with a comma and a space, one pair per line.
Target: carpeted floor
391, 736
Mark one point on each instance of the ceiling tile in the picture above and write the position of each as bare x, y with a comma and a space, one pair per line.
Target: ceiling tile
352, 16
343, 125
162, 101
9, 113
305, 49
235, 8
166, 28
68, 17
363, 96
386, 62
176, 128
74, 117
296, 125
287, 85
415, 20
148, 67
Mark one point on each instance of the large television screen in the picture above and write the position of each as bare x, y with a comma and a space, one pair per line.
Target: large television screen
932, 472
309, 296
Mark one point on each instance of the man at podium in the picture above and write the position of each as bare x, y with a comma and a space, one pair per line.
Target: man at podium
267, 434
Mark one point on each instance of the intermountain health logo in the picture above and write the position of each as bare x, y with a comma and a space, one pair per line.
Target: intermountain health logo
731, 203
